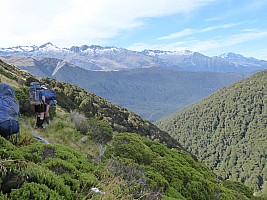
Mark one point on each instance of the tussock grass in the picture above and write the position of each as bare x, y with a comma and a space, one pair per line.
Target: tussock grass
60, 131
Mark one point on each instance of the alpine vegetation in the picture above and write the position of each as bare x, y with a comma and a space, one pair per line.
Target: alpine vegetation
111, 154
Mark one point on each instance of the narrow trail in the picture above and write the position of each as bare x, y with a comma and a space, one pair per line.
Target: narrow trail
39, 138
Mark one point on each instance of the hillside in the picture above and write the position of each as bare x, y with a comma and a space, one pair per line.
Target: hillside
152, 93
71, 97
228, 130
88, 158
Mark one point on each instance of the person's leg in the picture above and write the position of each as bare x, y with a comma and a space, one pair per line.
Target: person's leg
40, 115
47, 116
40, 120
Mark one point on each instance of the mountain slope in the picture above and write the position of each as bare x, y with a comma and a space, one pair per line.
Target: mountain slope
72, 97
152, 93
227, 130
131, 167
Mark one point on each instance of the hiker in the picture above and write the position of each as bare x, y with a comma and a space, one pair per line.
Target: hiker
9, 112
50, 96
42, 98
40, 109
47, 105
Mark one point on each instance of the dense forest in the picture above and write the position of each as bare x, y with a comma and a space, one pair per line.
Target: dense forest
228, 131
93, 155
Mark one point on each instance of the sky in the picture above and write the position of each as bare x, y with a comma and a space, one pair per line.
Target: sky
210, 27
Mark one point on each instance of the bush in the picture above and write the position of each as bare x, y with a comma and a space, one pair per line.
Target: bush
80, 121
100, 131
130, 145
233, 185
138, 182
34, 191
22, 95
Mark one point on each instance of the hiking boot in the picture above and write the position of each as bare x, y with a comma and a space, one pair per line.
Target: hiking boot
40, 127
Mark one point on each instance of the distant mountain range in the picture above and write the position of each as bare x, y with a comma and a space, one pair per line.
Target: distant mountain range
151, 83
112, 58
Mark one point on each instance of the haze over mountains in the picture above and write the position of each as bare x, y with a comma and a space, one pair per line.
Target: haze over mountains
151, 83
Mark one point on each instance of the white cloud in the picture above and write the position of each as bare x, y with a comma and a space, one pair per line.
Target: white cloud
208, 46
221, 26
215, 47
185, 32
76, 21
246, 36
189, 31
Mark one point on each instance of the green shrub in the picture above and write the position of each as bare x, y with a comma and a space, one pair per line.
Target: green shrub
99, 131
172, 194
40, 152
140, 184
8, 74
36, 173
22, 95
34, 191
7, 149
233, 185
87, 181
3, 196
80, 121
156, 180
59, 167
130, 145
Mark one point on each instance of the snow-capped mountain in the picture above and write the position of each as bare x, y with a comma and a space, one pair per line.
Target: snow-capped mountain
87, 57
194, 61
99, 58
241, 60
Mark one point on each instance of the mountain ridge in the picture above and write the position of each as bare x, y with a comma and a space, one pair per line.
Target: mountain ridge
95, 57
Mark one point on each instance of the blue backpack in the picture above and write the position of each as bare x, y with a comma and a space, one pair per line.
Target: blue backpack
49, 95
35, 93
9, 111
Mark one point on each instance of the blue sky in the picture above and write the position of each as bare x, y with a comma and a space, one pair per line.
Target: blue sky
211, 27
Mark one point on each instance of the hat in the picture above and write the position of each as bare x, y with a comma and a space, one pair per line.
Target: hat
43, 87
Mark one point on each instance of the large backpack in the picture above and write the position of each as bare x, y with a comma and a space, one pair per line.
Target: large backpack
35, 93
49, 95
9, 111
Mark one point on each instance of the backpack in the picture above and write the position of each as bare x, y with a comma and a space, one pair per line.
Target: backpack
49, 95
35, 93
9, 111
